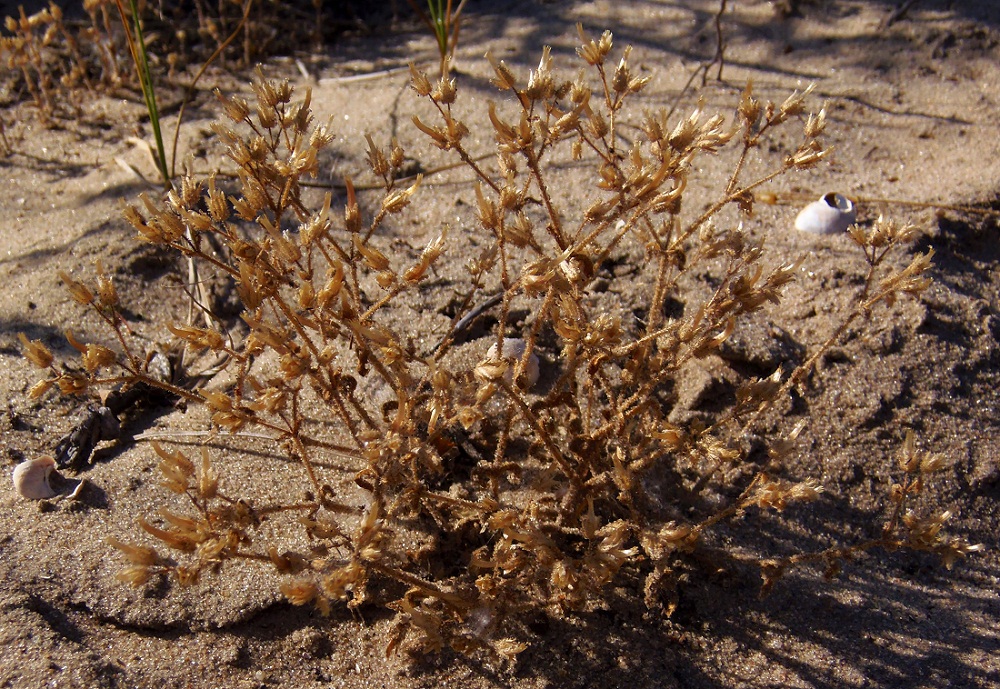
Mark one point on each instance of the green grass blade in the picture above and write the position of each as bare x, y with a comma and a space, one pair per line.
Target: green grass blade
140, 57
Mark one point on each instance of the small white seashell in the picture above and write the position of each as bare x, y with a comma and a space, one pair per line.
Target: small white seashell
31, 478
513, 350
832, 214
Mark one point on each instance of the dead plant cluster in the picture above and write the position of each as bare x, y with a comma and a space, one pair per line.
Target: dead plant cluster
54, 56
464, 497
49, 58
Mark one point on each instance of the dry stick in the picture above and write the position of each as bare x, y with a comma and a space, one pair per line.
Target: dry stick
928, 204
167, 435
740, 162
334, 184
677, 99
638, 401
3, 137
738, 505
505, 298
442, 347
533, 331
138, 376
299, 439
113, 321
290, 316
452, 599
528, 415
416, 8
193, 278
456, 502
500, 451
554, 226
655, 316
198, 298
898, 13
612, 110
293, 433
471, 162
346, 417
779, 198
729, 198
385, 299
456, 20
217, 263
190, 89
466, 320
720, 47
367, 76
806, 366
792, 198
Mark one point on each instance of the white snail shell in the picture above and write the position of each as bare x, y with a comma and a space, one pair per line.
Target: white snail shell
31, 478
513, 350
831, 214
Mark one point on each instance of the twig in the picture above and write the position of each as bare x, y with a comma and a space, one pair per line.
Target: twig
367, 76
466, 320
190, 89
898, 13
720, 45
7, 150
167, 435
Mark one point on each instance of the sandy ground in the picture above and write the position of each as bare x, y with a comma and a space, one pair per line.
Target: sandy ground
915, 115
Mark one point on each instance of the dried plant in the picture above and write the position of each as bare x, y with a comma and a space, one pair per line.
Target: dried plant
483, 493
55, 59
904, 528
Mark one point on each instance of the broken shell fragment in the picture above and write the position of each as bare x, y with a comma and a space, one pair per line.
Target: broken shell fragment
831, 214
31, 478
513, 350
